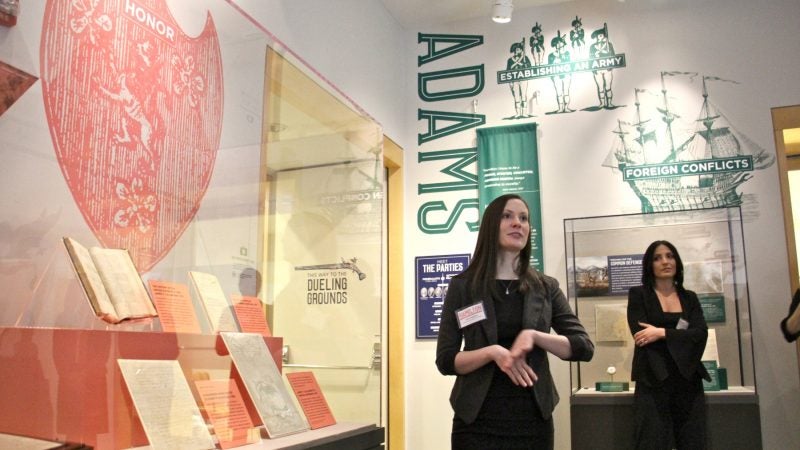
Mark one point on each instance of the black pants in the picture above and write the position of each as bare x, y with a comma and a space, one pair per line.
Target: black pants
672, 415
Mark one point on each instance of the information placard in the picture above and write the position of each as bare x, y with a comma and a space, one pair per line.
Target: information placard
312, 401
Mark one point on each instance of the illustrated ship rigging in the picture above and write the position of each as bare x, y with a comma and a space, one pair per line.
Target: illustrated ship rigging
710, 138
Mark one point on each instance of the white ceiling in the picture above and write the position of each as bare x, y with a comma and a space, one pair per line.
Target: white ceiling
421, 13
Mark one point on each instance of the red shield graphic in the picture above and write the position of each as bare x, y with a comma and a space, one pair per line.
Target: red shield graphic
134, 108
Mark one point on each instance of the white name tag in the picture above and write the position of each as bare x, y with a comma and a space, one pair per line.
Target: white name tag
470, 314
682, 324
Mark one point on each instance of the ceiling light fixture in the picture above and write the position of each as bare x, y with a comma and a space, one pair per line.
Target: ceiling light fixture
501, 11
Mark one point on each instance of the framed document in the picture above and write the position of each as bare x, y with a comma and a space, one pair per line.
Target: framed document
264, 383
161, 395
217, 307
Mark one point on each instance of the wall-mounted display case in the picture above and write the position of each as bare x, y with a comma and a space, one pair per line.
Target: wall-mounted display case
604, 257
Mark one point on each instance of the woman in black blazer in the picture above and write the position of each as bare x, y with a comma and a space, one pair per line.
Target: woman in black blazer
502, 311
670, 334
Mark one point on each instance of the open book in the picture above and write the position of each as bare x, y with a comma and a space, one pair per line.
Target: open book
111, 282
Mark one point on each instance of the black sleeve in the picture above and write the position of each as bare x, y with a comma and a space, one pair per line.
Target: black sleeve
635, 311
448, 343
566, 323
786, 334
687, 346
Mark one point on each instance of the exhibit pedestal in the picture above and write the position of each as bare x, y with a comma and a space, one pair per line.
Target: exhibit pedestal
65, 385
603, 421
340, 436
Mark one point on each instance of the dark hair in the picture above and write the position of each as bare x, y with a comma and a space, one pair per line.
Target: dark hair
648, 277
482, 269
250, 282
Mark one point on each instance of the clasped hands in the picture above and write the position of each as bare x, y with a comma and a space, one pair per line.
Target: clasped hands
648, 334
513, 361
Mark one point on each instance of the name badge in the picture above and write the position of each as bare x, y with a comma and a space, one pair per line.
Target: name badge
682, 324
470, 314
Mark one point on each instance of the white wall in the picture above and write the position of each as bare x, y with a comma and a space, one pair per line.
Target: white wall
356, 45
361, 50
752, 44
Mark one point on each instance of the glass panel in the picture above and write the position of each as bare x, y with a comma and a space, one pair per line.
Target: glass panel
711, 246
325, 173
211, 153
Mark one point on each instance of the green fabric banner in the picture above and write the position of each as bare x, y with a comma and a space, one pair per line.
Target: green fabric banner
508, 162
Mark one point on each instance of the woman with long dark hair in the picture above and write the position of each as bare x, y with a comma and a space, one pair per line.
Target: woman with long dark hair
502, 310
670, 334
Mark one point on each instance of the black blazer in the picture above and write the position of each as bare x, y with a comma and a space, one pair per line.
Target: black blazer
541, 311
685, 346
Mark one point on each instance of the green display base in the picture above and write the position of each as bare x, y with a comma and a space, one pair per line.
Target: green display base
723, 378
713, 372
611, 386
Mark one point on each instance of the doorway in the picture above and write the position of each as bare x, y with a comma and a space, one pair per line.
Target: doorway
786, 127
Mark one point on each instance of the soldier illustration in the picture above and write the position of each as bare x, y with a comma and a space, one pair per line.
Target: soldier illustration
561, 82
602, 48
537, 44
576, 36
519, 89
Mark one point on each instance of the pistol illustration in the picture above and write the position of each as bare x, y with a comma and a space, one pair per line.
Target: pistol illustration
350, 265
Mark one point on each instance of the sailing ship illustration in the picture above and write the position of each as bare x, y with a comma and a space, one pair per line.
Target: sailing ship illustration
646, 143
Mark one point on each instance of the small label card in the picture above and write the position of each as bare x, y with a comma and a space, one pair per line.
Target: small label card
251, 315
225, 408
174, 306
308, 393
166, 407
470, 314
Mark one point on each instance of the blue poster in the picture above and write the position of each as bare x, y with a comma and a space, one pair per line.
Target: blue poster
433, 278
624, 272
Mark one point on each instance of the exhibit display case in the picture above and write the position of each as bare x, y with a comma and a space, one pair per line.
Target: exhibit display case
246, 191
604, 257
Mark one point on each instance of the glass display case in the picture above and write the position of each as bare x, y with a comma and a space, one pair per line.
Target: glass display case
222, 154
604, 257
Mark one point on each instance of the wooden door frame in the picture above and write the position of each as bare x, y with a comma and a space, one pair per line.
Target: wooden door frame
788, 158
393, 163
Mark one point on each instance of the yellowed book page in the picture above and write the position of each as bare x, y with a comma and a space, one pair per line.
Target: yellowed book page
14, 442
91, 281
124, 285
612, 323
217, 307
166, 406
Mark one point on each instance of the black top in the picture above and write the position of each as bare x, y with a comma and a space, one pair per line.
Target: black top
508, 408
668, 321
682, 347
543, 309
